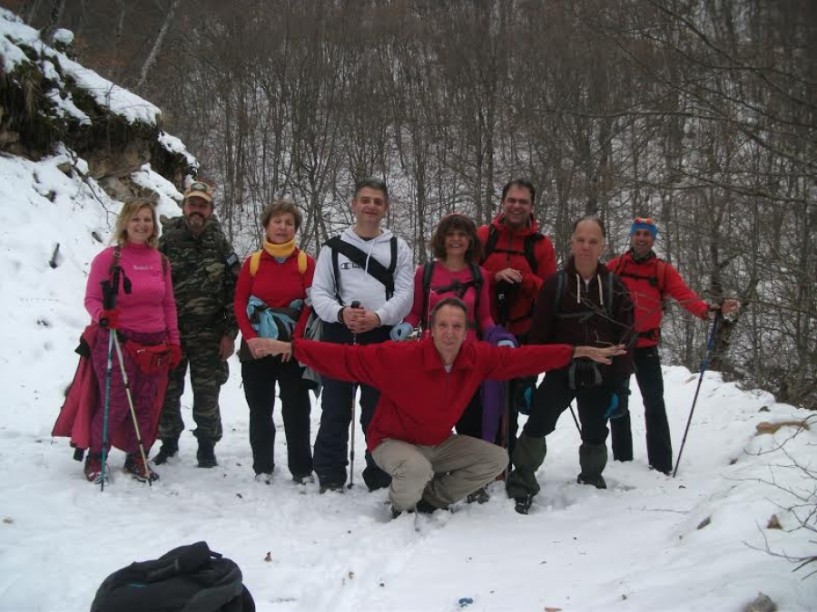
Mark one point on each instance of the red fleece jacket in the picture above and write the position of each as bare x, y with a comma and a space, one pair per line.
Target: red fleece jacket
641, 278
419, 401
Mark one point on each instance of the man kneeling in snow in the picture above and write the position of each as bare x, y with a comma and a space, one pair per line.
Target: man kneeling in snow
424, 388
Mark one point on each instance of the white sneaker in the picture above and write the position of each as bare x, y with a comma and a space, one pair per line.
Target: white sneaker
264, 477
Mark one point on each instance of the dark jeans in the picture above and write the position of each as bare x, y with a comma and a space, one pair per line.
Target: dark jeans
552, 398
337, 405
651, 383
259, 377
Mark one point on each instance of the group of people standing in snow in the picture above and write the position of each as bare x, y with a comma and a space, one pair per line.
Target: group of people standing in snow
490, 312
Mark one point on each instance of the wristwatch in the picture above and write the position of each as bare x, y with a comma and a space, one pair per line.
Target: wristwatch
340, 314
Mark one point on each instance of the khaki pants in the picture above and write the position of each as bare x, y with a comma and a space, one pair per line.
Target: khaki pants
440, 474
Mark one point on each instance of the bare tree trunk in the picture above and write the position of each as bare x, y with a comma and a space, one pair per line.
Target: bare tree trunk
150, 60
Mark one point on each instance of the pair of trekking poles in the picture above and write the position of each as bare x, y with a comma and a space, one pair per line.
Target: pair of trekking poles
110, 290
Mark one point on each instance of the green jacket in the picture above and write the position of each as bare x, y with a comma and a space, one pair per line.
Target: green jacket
204, 270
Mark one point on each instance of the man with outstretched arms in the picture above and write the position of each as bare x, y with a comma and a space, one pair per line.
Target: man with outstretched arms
424, 389
363, 285
204, 268
650, 281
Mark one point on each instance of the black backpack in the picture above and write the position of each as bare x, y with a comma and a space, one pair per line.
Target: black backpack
190, 578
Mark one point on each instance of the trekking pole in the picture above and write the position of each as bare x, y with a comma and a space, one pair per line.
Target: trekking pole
710, 345
106, 409
575, 420
126, 384
354, 304
110, 287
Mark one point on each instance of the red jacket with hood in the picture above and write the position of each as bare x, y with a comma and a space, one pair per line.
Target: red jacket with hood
509, 252
420, 402
647, 291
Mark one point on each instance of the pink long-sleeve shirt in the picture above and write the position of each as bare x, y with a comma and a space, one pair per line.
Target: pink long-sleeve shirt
150, 306
443, 277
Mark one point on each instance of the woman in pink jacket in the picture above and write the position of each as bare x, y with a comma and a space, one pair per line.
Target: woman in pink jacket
135, 278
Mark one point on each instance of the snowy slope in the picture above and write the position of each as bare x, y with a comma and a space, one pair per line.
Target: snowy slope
636, 546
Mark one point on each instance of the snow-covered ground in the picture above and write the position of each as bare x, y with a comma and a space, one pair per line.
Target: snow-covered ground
696, 542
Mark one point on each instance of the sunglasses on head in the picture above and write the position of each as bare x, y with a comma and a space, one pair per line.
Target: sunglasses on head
644, 221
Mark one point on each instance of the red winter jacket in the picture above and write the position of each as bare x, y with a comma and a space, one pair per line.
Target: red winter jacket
509, 252
275, 284
648, 290
419, 401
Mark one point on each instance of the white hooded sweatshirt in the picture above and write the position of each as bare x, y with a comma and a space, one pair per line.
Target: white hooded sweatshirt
357, 284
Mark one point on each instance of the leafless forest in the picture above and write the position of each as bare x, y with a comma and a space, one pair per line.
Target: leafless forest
699, 113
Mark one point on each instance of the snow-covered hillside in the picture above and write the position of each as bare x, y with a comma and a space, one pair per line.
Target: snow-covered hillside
648, 543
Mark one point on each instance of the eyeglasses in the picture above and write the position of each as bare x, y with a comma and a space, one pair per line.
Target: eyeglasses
644, 221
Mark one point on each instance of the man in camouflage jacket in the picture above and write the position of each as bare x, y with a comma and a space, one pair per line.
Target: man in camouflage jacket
204, 269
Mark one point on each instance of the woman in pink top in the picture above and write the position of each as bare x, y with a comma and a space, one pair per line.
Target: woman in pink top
454, 272
144, 317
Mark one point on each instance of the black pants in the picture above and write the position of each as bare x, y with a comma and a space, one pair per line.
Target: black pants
651, 383
332, 441
553, 396
260, 376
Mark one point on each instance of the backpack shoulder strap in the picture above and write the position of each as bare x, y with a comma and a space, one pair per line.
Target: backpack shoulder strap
490, 244
393, 262
530, 249
428, 270
373, 267
608, 300
561, 281
255, 261
661, 275
476, 276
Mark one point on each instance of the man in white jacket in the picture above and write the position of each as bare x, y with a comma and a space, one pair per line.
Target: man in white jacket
372, 268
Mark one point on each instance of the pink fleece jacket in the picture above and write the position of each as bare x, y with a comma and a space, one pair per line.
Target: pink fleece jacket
150, 306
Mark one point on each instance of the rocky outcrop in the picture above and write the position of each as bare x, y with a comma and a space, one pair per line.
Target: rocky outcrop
48, 101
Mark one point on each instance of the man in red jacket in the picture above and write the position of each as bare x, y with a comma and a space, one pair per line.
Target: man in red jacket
650, 280
517, 260
516, 257
424, 389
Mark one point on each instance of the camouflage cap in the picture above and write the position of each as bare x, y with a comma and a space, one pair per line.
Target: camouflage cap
199, 189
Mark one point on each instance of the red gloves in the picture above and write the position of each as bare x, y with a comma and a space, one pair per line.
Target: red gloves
175, 356
109, 318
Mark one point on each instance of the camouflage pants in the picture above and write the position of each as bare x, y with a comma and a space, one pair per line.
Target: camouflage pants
207, 373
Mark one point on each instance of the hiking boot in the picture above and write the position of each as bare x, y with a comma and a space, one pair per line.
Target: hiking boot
523, 503
93, 468
264, 478
170, 448
136, 468
332, 486
303, 480
479, 496
593, 459
423, 507
395, 512
206, 455
597, 480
